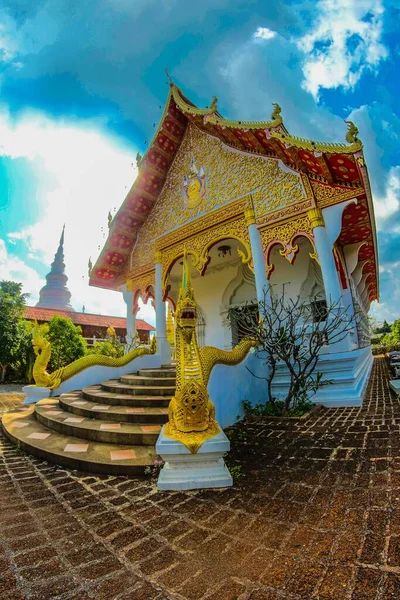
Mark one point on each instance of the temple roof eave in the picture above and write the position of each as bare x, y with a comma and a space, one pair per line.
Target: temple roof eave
306, 156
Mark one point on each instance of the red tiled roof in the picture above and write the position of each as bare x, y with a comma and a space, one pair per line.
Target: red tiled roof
79, 318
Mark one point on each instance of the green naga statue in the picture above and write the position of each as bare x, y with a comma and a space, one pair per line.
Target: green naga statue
191, 411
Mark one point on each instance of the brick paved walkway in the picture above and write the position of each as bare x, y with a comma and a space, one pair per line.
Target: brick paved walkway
316, 515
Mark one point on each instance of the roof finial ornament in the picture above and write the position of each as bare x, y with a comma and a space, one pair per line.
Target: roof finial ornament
90, 266
109, 218
276, 113
138, 159
213, 105
352, 132
169, 77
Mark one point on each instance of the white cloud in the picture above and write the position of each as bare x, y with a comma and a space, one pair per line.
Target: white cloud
264, 33
389, 203
14, 269
90, 175
345, 40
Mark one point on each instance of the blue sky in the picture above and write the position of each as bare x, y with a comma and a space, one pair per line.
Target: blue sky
83, 87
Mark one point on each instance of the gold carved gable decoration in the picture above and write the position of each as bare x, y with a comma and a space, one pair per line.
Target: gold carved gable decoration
226, 175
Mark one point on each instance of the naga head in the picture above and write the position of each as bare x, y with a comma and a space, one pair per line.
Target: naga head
186, 308
38, 341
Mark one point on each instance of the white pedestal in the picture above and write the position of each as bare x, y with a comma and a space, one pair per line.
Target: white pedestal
186, 471
34, 393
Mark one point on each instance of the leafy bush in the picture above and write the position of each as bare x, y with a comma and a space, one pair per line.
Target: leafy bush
67, 343
22, 366
107, 348
12, 302
276, 408
384, 348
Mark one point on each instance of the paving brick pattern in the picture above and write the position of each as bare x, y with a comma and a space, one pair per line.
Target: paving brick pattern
316, 514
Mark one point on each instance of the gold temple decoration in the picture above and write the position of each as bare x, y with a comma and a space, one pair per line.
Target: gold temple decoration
352, 132
194, 186
191, 413
285, 234
316, 218
217, 119
250, 216
42, 349
330, 147
326, 195
230, 176
90, 266
276, 113
170, 328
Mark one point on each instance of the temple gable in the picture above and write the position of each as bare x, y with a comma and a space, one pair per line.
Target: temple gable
205, 175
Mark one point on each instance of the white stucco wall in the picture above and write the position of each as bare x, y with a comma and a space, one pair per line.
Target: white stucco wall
229, 385
208, 291
292, 275
95, 375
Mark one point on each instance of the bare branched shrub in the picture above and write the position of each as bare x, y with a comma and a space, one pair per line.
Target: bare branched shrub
291, 332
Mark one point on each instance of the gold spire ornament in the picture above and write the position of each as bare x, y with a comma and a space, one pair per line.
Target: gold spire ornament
191, 413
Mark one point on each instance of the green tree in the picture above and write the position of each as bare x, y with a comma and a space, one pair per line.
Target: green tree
394, 336
384, 329
12, 302
107, 348
22, 366
67, 343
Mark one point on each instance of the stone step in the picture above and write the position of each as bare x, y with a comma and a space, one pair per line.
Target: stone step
50, 414
22, 428
166, 372
148, 381
93, 410
98, 395
116, 387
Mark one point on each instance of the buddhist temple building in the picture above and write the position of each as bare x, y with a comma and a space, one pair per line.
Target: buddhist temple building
253, 206
54, 299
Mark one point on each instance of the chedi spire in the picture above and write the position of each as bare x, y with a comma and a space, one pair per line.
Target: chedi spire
55, 293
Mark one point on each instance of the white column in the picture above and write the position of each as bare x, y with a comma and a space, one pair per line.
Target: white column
262, 284
130, 318
325, 257
333, 291
163, 347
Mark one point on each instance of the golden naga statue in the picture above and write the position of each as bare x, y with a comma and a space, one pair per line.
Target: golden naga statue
191, 413
42, 349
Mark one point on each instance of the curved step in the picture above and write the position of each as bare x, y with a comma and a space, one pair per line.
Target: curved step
162, 372
99, 396
109, 459
113, 385
148, 381
51, 415
93, 410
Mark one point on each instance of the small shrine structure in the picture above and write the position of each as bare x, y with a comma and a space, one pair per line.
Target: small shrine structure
251, 205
